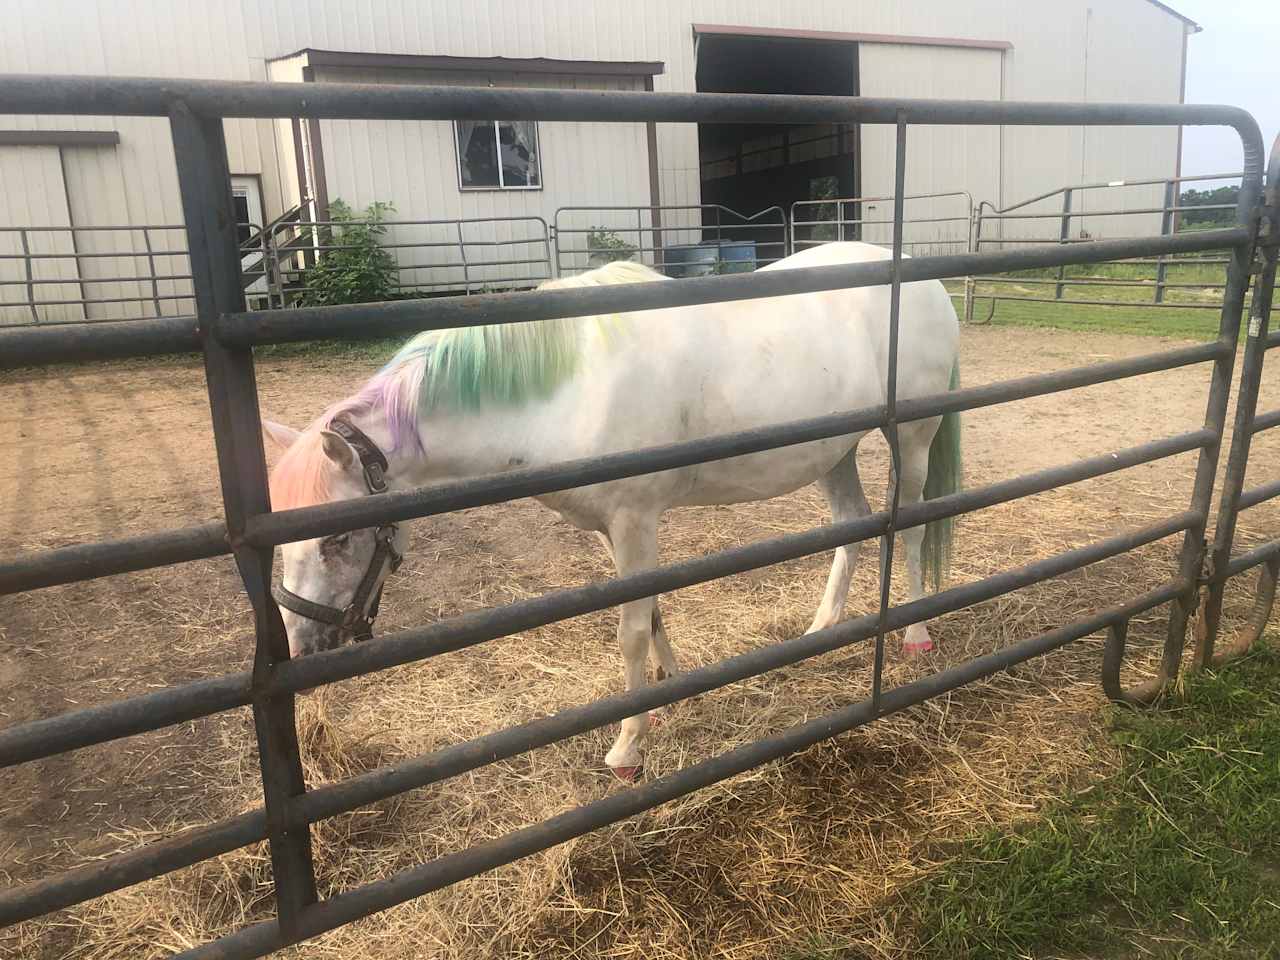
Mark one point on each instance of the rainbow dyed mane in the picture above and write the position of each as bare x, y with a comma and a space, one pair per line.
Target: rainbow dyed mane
463, 369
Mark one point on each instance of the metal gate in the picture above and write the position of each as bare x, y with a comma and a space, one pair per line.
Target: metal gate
225, 333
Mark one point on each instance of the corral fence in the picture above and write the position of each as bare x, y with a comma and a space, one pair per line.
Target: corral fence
932, 222
226, 333
1112, 209
466, 255
127, 273
692, 240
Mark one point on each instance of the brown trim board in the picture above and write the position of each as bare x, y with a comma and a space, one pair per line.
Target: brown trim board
605, 68
316, 143
59, 138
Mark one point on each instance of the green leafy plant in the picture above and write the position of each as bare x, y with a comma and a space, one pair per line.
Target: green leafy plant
356, 268
607, 246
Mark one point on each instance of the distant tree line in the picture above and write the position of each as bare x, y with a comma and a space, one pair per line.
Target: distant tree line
1207, 198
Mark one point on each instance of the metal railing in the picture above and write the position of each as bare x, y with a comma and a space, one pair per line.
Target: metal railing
225, 333
432, 256
1018, 224
815, 222
1248, 424
126, 247
684, 240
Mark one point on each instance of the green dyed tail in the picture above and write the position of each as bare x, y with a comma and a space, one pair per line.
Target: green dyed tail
944, 478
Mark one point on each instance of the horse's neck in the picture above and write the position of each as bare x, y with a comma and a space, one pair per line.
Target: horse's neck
458, 444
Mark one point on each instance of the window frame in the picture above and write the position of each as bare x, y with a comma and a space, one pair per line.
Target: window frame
501, 186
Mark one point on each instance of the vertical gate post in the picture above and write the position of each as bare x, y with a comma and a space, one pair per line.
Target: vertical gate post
891, 412
205, 183
1064, 234
1246, 408
31, 284
1194, 547
1166, 230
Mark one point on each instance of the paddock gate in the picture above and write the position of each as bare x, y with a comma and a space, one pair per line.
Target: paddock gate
225, 333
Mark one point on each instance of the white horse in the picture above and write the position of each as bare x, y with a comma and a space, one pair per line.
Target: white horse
463, 403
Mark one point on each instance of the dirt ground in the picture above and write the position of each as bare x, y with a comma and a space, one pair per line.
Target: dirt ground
93, 452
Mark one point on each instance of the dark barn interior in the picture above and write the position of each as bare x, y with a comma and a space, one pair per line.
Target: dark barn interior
750, 167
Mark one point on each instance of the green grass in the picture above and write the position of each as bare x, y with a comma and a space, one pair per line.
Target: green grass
1174, 855
1196, 322
374, 350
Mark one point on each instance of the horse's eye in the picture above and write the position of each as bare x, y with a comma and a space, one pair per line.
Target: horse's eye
334, 544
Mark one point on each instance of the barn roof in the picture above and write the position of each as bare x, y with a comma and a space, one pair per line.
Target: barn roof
1195, 27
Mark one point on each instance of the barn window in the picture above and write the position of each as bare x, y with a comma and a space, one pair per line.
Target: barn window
498, 155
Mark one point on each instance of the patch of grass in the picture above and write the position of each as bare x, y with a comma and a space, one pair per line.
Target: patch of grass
373, 350
1174, 855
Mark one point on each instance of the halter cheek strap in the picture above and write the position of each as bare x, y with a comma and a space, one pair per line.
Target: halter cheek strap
358, 615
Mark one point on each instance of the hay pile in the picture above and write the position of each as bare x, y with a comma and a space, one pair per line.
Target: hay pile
798, 853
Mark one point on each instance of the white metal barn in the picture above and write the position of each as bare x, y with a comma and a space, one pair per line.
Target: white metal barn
101, 176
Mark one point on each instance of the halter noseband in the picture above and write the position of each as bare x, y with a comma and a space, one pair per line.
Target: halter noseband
354, 617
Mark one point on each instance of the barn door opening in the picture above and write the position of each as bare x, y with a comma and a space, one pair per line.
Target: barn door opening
246, 195
749, 167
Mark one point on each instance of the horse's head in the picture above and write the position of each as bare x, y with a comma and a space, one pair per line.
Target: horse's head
330, 586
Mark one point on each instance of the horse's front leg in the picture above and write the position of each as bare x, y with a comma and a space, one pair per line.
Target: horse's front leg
634, 542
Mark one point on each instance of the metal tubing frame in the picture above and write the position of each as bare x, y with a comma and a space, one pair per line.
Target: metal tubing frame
225, 333
1234, 498
204, 181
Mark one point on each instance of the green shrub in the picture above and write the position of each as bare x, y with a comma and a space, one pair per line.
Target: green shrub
359, 270
607, 246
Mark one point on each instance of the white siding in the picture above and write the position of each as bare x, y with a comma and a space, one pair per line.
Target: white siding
32, 192
1062, 50
940, 159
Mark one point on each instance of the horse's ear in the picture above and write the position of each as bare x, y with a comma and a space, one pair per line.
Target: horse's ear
278, 435
337, 449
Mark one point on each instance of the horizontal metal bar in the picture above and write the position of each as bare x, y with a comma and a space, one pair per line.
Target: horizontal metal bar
145, 278
88, 561
1081, 214
112, 340
126, 227
1251, 558
1110, 184
1145, 283
90, 256
1259, 494
91, 300
483, 625
124, 870
1266, 421
1040, 384
124, 718
367, 788
1071, 241
287, 526
326, 519
1146, 304
401, 317
135, 96
261, 938
1273, 339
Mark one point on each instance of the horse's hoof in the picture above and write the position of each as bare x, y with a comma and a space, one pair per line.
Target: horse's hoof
628, 774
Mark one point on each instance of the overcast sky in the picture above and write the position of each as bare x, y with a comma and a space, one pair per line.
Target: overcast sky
1235, 60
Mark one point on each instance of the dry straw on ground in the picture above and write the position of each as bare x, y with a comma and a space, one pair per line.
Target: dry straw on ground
796, 852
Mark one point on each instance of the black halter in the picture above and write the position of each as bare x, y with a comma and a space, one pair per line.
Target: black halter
354, 617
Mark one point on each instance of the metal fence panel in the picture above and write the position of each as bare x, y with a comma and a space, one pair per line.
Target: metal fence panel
225, 333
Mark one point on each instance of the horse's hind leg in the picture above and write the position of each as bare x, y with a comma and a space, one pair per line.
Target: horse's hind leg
914, 440
634, 541
843, 489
